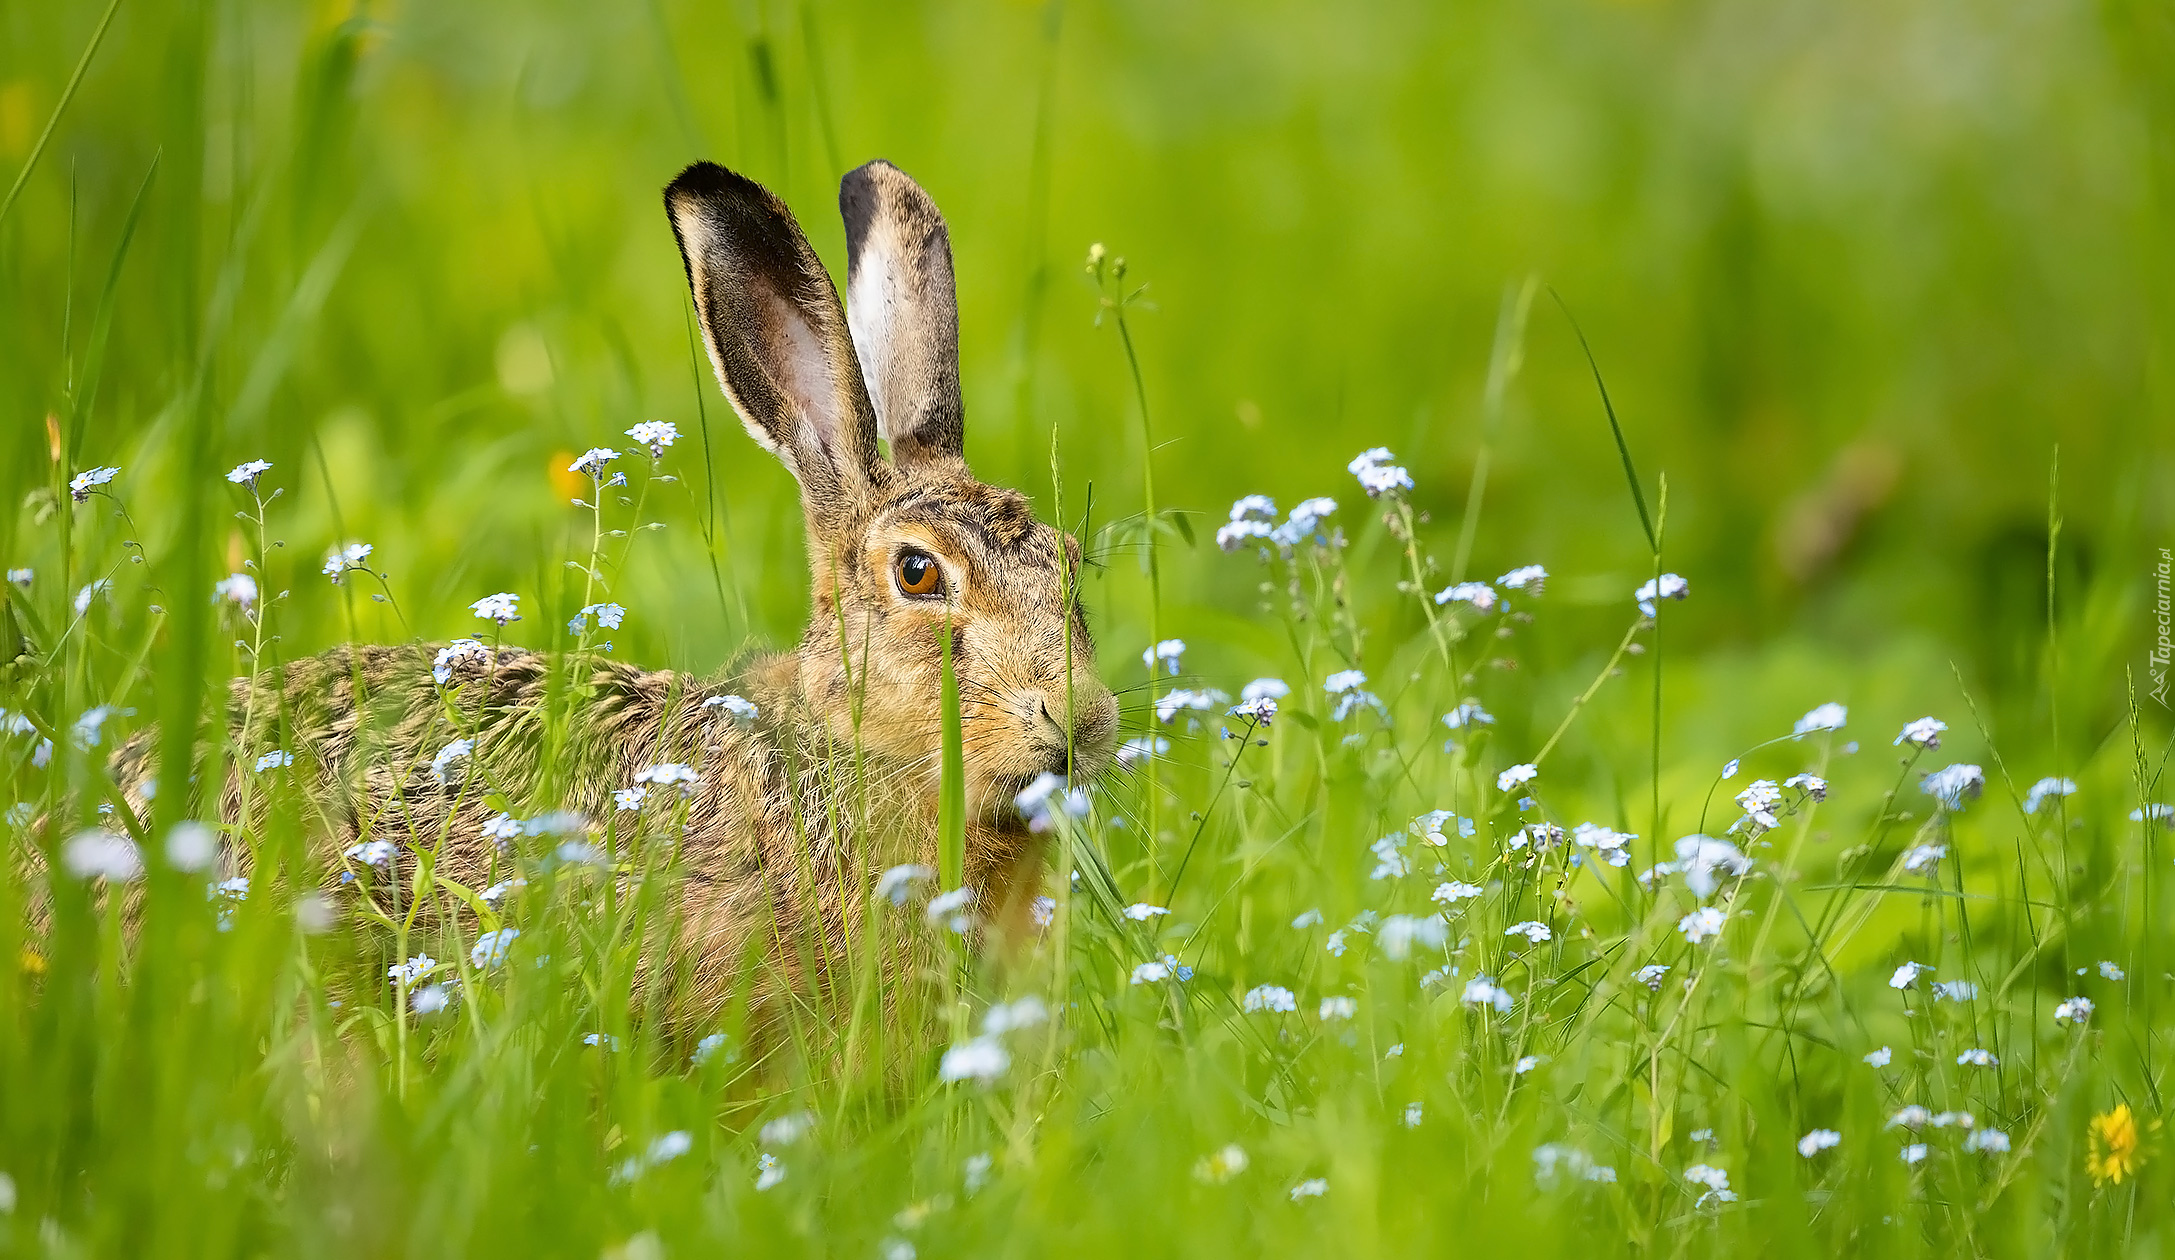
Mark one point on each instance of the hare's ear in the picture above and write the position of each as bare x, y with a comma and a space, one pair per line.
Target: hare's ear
904, 311
776, 334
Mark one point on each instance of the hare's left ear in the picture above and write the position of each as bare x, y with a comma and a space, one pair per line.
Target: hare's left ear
904, 312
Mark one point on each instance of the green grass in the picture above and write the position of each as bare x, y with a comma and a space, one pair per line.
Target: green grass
1851, 274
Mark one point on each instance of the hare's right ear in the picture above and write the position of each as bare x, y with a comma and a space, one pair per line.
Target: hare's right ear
904, 311
776, 335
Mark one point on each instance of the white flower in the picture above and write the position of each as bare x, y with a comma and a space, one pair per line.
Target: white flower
1400, 932
1390, 860
1308, 918
1906, 976
1525, 1064
90, 724
1261, 712
978, 1058
738, 708
1817, 1141
1334, 942
1955, 991
593, 461
21, 577
247, 474
1913, 1153
502, 608
1479, 594
1922, 859
502, 828
456, 654
603, 1040
1134, 751
1453, 891
1047, 797
608, 616
1468, 713
1609, 845
2110, 971
670, 774
1758, 802
2074, 1010
1311, 1188
1413, 1113
950, 908
656, 435
1483, 991
80, 484
707, 1047
1265, 689
1533, 930
1952, 1119
412, 970
1269, 997
768, 1171
238, 589
1042, 911
371, 852
1234, 535
1150, 972
342, 558
1304, 523
2156, 812
1812, 785
1384, 479
1254, 507
1515, 776
1168, 652
1701, 924
1185, 699
91, 591
1992, 1141
430, 999
497, 892
1650, 975
788, 1128
1529, 578
1729, 769
1221, 1166
1924, 733
2045, 788
1338, 1008
1024, 1012
1344, 680
1699, 858
102, 855
1714, 1179
1549, 1157
191, 846
1667, 586
458, 750
894, 884
1953, 785
1826, 717
1880, 1057
1141, 911
1977, 1057
629, 800
1911, 1117
274, 760
491, 948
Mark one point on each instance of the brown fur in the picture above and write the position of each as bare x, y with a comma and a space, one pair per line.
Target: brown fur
837, 777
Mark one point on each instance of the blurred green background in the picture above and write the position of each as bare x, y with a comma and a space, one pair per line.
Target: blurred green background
1852, 270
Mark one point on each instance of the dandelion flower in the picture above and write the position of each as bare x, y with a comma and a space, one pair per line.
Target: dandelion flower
2117, 1147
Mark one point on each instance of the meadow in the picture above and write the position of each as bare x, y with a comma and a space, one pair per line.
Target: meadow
1630, 539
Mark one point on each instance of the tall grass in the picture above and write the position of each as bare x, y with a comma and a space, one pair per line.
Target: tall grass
398, 256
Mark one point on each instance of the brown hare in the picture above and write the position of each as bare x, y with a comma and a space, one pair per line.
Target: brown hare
793, 805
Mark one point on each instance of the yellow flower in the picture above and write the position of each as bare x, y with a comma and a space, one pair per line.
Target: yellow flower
2116, 1149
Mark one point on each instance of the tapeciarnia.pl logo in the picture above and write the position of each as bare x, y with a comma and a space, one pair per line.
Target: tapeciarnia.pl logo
2163, 647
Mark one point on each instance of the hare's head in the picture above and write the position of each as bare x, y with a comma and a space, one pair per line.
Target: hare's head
907, 550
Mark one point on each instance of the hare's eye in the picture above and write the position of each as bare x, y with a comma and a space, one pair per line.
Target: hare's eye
918, 574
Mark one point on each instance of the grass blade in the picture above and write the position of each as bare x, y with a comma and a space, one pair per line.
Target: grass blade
1631, 475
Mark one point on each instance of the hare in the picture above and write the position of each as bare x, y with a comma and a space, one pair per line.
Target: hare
835, 775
